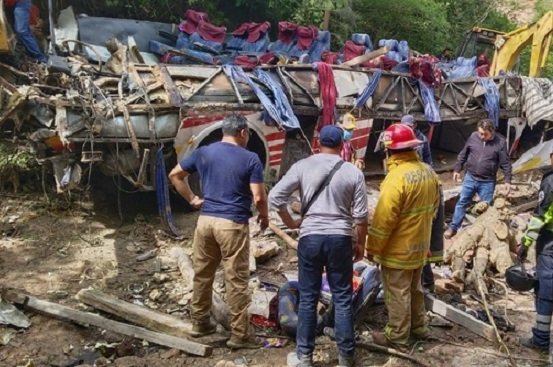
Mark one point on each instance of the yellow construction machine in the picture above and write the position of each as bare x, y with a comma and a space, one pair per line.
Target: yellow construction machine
506, 47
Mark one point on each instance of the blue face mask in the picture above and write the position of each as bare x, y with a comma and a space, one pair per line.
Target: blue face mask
348, 134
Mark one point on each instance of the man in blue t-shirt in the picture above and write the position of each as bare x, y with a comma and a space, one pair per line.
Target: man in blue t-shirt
232, 177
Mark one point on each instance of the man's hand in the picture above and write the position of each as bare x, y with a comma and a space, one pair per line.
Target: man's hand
358, 252
456, 176
507, 189
263, 222
359, 163
196, 202
522, 252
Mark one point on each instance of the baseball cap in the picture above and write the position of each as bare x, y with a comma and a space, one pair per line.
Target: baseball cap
331, 136
408, 120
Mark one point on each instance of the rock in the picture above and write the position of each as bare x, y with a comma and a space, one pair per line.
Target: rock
171, 353
479, 208
448, 285
161, 278
185, 300
101, 362
225, 364
263, 251
155, 295
130, 361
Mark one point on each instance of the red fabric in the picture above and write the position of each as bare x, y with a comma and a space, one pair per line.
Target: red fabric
330, 57
268, 58
424, 68
306, 36
246, 61
387, 63
483, 71
192, 19
351, 50
34, 16
10, 3
347, 151
212, 33
166, 58
328, 93
286, 31
253, 30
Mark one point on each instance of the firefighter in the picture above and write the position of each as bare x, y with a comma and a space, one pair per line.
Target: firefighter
399, 238
540, 232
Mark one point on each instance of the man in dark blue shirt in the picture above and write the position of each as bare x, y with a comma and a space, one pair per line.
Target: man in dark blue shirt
232, 177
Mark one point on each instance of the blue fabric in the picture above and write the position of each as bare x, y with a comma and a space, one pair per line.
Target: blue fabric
281, 47
424, 148
333, 252
192, 56
279, 109
362, 39
431, 110
21, 13
491, 99
471, 186
182, 41
392, 45
197, 38
226, 171
369, 89
162, 194
544, 301
403, 49
402, 67
460, 68
319, 45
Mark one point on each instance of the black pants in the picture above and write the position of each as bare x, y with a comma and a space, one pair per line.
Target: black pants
427, 277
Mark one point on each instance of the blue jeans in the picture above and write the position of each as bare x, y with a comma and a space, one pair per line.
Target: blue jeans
333, 253
21, 13
471, 186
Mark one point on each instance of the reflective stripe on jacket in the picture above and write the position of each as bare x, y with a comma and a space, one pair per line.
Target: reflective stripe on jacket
542, 218
399, 236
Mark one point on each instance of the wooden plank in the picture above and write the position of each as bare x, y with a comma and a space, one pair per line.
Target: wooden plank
162, 75
459, 317
87, 318
366, 57
279, 232
139, 315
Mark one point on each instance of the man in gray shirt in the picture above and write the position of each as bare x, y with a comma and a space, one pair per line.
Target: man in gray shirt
325, 239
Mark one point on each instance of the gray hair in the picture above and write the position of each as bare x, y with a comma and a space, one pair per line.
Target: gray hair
233, 124
486, 124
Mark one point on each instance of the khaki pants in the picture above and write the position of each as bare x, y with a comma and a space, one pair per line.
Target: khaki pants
217, 239
404, 299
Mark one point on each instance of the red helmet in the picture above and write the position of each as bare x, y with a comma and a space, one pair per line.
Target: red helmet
399, 136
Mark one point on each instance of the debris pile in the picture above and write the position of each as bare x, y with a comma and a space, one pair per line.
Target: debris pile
488, 244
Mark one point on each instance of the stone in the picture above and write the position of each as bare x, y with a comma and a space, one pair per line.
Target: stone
130, 361
263, 251
155, 295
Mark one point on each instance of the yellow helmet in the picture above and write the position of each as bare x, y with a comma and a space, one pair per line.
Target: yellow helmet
349, 122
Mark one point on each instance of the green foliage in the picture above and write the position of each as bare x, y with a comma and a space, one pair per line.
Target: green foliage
422, 22
12, 158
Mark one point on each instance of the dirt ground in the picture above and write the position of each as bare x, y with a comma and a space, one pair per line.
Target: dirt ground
52, 249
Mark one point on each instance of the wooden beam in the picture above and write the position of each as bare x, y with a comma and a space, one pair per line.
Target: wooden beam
366, 57
459, 317
289, 240
139, 315
87, 318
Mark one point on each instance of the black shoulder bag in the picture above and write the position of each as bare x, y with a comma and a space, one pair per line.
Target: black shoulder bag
320, 189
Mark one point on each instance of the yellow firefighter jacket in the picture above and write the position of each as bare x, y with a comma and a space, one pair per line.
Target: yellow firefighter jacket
399, 236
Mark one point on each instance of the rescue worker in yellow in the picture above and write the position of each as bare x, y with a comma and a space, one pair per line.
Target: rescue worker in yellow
399, 237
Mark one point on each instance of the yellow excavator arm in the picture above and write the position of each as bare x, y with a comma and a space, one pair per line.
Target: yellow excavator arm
509, 46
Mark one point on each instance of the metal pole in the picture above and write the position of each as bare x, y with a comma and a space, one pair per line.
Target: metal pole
52, 45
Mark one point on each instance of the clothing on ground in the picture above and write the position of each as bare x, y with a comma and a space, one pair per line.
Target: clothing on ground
226, 171
481, 159
342, 203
